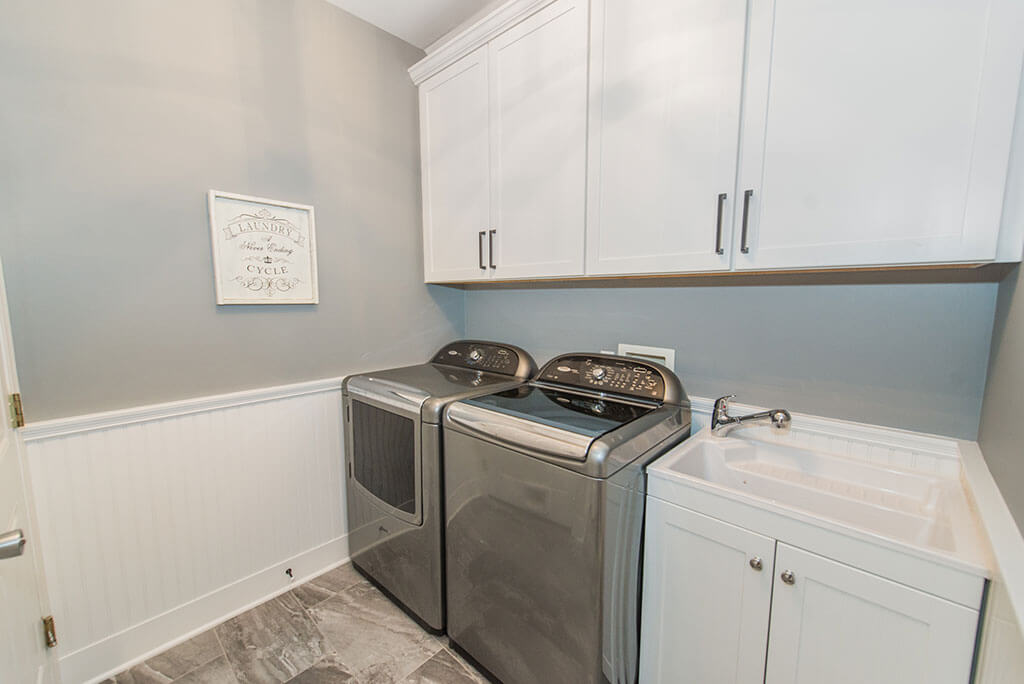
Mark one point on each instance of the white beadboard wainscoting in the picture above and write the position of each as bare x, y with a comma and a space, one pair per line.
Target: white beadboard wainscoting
159, 521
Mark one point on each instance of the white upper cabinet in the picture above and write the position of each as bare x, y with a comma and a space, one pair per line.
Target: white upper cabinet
538, 140
666, 81
876, 132
454, 146
833, 623
618, 137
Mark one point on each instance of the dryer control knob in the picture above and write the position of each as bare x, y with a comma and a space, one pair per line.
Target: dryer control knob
475, 355
599, 373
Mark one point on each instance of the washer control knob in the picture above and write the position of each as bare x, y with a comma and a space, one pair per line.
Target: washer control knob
475, 355
599, 373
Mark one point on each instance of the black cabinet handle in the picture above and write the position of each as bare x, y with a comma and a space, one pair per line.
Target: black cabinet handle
744, 247
480, 248
718, 225
490, 248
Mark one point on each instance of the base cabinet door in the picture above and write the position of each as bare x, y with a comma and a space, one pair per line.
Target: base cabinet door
538, 72
876, 132
833, 623
706, 599
455, 154
666, 79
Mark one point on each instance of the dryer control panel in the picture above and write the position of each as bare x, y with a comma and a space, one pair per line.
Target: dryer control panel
485, 356
613, 374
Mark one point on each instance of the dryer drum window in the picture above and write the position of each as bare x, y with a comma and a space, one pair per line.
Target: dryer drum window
384, 455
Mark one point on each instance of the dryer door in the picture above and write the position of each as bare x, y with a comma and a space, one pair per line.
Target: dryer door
385, 458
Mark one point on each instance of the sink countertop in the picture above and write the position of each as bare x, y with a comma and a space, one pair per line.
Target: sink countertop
830, 492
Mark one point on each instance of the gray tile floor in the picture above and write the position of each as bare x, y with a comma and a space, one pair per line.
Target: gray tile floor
335, 628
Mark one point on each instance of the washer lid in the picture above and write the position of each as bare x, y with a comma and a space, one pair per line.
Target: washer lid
577, 413
426, 388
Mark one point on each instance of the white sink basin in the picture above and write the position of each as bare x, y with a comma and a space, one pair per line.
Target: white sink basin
926, 511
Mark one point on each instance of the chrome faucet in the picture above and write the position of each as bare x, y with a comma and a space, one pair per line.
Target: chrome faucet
722, 422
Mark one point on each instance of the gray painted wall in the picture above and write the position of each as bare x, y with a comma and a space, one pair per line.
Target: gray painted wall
119, 116
906, 355
1001, 435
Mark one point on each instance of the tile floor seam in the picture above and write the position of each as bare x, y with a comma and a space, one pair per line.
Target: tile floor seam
316, 626
223, 651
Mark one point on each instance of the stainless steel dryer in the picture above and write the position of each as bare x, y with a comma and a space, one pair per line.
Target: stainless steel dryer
393, 465
544, 498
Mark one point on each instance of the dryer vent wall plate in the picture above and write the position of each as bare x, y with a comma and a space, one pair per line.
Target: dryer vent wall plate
666, 357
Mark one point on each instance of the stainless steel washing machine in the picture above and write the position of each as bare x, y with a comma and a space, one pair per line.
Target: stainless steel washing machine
544, 498
393, 464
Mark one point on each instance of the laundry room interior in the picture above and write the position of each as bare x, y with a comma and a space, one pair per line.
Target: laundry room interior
555, 341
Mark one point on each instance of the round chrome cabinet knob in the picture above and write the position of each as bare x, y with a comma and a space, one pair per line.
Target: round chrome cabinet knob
475, 355
599, 373
788, 577
756, 563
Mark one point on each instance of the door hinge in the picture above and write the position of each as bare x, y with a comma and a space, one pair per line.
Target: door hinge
50, 631
17, 413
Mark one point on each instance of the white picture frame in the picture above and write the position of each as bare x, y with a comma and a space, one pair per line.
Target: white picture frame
264, 250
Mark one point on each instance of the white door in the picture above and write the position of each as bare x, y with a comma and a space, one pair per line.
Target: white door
706, 599
538, 142
24, 656
876, 132
456, 170
666, 80
833, 623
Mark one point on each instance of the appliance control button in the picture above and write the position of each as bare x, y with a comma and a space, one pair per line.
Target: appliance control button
475, 355
599, 373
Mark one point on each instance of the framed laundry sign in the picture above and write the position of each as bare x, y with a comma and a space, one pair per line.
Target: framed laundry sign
264, 251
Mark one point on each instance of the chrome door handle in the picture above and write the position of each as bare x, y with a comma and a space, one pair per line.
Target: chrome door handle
490, 248
744, 247
718, 225
12, 544
480, 248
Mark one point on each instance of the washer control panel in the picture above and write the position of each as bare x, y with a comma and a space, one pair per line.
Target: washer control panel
483, 356
606, 374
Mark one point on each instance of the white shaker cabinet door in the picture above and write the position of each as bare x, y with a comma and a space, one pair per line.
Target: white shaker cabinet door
666, 80
876, 132
538, 73
706, 599
833, 623
456, 170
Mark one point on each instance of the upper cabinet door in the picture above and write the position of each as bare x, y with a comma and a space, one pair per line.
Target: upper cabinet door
456, 170
876, 132
538, 142
666, 81
833, 623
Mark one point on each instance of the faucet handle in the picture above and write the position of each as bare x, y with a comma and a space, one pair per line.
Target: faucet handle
720, 414
722, 403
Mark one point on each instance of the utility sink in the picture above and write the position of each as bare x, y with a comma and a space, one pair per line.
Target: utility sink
925, 511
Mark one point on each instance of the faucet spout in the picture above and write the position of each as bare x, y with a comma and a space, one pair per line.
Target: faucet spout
722, 422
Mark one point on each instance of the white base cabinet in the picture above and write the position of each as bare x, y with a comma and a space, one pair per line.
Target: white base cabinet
722, 604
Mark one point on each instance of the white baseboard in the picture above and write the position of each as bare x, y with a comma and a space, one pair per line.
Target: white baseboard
107, 657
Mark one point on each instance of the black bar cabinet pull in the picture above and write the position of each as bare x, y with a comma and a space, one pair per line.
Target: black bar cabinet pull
744, 247
480, 248
490, 248
718, 225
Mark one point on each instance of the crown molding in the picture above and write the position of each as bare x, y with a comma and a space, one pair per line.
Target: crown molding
458, 45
